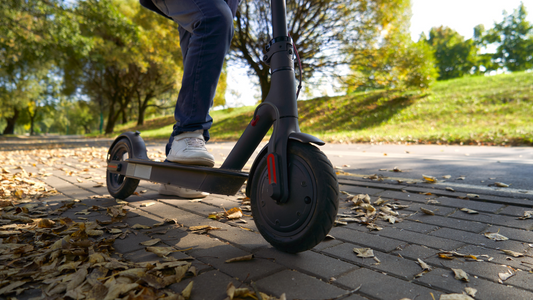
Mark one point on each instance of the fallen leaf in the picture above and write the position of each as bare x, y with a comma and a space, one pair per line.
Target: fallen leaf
501, 184
423, 265
528, 214
468, 210
139, 226
495, 236
241, 258
450, 189
161, 251
455, 297
513, 253
364, 252
234, 213
427, 211
460, 275
472, 195
505, 276
186, 293
429, 179
147, 204
447, 176
471, 291
150, 242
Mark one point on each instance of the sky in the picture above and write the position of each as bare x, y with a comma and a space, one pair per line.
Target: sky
460, 15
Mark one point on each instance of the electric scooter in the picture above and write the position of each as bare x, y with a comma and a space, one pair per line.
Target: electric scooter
292, 185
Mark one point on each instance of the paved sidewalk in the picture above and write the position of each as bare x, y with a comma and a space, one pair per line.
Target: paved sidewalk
331, 270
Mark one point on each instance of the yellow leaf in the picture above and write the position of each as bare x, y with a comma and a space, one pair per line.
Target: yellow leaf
161, 251
186, 293
150, 242
427, 211
513, 253
139, 226
429, 179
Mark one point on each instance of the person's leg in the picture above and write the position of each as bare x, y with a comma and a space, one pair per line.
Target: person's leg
206, 30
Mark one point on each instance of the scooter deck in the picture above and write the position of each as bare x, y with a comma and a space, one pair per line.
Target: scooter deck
205, 179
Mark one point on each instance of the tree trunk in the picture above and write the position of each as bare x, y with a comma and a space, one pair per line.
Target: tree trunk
11, 121
32, 122
111, 118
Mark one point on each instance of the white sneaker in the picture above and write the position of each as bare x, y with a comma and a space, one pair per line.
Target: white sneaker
170, 190
189, 148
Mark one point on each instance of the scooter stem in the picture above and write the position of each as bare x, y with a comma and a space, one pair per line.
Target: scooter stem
279, 18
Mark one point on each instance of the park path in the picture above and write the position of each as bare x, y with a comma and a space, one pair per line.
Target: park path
423, 233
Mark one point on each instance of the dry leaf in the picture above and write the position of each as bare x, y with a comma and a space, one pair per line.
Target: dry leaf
470, 211
447, 176
364, 252
150, 242
139, 226
501, 184
513, 253
186, 293
472, 195
470, 291
505, 276
528, 214
161, 251
423, 265
234, 213
455, 297
495, 236
429, 179
147, 204
460, 275
427, 211
240, 258
450, 189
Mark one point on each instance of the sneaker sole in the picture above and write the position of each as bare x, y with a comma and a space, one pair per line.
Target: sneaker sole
193, 161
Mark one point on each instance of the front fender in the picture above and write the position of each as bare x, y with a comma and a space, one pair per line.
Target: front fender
138, 147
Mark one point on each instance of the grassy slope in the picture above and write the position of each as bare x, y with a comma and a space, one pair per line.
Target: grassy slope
490, 110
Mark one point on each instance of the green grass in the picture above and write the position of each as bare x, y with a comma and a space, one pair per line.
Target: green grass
492, 110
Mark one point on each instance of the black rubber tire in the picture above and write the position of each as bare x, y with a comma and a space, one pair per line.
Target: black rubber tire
118, 185
309, 214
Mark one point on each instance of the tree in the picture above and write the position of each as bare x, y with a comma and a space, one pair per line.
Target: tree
389, 58
455, 56
317, 28
514, 36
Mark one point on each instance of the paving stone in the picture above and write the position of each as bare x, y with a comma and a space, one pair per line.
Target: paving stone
247, 240
388, 263
413, 197
439, 210
296, 285
196, 207
512, 233
478, 239
415, 252
130, 243
247, 271
225, 202
315, 264
475, 205
516, 211
421, 239
355, 297
67, 188
498, 257
522, 279
451, 222
143, 256
365, 239
415, 226
210, 285
327, 243
380, 286
354, 190
444, 279
493, 219
481, 269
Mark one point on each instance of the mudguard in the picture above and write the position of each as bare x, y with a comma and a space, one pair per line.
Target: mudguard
137, 144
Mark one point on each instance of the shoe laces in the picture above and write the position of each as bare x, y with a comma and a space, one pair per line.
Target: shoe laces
195, 143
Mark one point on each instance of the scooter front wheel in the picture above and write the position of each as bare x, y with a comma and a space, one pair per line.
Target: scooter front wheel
308, 215
119, 186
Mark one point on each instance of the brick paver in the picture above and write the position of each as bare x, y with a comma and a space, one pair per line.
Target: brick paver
331, 270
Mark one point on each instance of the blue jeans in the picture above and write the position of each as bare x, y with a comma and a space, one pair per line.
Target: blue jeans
206, 30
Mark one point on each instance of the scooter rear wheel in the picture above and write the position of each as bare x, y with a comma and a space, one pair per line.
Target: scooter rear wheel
119, 186
308, 215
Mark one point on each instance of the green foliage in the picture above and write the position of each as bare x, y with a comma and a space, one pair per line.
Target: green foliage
455, 56
514, 36
393, 61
